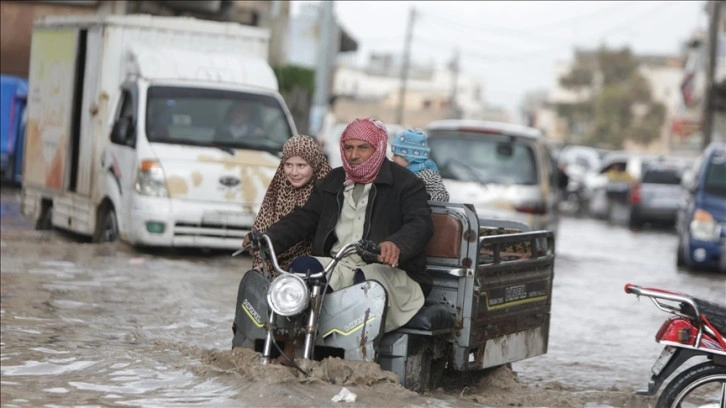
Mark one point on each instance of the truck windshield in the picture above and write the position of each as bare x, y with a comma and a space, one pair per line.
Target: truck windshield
219, 118
481, 158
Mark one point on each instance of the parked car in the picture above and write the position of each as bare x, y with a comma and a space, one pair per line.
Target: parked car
505, 171
657, 195
701, 221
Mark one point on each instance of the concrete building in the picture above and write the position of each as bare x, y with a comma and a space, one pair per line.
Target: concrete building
374, 90
663, 73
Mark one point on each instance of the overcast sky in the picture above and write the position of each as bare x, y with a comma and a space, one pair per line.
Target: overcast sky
513, 45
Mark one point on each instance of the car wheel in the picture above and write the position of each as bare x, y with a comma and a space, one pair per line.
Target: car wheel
680, 255
635, 221
106, 225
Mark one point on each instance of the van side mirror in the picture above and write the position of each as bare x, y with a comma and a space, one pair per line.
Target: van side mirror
122, 131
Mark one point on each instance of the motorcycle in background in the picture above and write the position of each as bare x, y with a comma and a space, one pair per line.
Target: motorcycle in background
696, 330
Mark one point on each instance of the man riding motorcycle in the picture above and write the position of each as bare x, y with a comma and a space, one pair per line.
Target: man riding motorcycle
373, 199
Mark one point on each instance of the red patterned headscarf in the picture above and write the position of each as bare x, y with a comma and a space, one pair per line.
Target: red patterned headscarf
373, 132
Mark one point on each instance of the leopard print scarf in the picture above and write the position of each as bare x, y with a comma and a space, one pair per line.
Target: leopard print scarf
282, 197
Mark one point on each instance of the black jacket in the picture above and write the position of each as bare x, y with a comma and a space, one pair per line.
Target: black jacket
397, 211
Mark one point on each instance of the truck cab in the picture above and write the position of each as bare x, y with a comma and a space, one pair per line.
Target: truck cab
138, 129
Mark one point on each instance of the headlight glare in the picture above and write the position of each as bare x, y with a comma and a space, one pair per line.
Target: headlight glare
288, 295
703, 227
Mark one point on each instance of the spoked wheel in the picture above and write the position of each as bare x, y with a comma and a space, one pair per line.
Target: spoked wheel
106, 226
703, 386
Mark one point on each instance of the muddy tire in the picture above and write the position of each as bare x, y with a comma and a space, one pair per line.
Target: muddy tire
45, 221
688, 387
680, 259
106, 225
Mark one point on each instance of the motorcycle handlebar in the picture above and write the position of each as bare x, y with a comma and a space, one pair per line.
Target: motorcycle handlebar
367, 250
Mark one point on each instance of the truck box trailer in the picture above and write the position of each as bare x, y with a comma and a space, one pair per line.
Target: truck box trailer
131, 129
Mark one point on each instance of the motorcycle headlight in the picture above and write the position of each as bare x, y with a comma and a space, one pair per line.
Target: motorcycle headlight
703, 227
288, 295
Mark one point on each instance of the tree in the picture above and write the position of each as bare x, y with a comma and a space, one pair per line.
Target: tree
296, 86
619, 105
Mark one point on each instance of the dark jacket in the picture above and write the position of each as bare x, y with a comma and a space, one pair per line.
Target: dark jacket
397, 211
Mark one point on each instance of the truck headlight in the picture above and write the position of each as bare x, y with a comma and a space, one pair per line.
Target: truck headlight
703, 227
150, 179
288, 295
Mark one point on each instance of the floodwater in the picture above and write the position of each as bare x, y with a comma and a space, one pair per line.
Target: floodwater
108, 325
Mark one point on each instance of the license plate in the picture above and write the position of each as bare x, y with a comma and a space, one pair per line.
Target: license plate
663, 359
222, 218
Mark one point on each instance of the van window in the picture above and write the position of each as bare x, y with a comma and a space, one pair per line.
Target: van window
484, 159
207, 117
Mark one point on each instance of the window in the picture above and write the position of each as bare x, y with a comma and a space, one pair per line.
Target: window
662, 176
715, 181
207, 117
474, 157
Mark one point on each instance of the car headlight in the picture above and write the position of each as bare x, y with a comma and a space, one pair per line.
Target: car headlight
151, 180
288, 295
703, 227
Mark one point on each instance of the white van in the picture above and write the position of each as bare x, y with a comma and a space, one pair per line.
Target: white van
505, 171
132, 133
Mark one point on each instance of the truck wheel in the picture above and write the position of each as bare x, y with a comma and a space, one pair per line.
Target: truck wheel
106, 225
45, 221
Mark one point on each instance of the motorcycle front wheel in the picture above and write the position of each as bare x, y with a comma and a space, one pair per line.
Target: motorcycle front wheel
703, 385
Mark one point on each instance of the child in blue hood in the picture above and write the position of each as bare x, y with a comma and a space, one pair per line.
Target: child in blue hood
410, 149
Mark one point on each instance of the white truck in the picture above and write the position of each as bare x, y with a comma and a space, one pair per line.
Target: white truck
133, 132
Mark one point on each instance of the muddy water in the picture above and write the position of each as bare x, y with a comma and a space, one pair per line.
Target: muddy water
107, 325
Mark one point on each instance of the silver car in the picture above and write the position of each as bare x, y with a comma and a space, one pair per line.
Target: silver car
506, 171
657, 195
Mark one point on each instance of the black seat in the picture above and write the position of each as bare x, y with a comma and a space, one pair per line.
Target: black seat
431, 317
715, 313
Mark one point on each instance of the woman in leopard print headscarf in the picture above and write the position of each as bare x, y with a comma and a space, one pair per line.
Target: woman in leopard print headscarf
303, 163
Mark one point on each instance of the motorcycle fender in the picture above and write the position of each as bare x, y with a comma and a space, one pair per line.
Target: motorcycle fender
353, 319
672, 363
251, 310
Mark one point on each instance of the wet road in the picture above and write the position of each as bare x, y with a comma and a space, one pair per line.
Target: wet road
107, 325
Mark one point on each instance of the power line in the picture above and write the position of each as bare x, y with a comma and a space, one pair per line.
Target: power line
636, 17
599, 13
500, 31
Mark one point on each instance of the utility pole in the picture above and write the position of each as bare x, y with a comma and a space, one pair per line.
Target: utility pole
709, 108
277, 21
404, 66
454, 66
322, 70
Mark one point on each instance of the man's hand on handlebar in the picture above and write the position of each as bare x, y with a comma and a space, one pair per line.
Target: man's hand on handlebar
251, 241
389, 253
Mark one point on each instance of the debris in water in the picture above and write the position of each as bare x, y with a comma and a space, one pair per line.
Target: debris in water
345, 395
